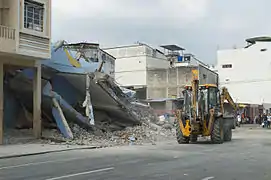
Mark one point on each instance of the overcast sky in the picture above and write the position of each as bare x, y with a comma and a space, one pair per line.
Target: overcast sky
200, 26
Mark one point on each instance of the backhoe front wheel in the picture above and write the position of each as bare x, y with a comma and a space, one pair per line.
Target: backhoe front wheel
179, 135
217, 135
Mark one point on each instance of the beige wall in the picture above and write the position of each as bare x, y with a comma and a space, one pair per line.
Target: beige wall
169, 83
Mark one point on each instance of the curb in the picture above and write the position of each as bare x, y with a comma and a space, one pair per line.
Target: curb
47, 152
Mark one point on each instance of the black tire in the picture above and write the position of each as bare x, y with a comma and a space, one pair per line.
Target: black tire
227, 133
193, 138
217, 135
179, 135
234, 124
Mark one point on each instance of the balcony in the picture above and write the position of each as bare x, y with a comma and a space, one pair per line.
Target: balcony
38, 47
7, 39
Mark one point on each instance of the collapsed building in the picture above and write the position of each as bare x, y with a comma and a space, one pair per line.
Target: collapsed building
74, 94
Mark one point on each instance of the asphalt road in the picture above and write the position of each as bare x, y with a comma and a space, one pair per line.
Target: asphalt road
247, 157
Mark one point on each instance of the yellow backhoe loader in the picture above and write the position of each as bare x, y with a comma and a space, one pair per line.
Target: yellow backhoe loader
202, 113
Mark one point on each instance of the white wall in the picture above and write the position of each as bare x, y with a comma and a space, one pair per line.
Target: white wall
153, 63
155, 59
131, 71
130, 65
133, 61
249, 78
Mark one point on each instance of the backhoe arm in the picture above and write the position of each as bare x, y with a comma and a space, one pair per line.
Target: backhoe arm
195, 91
225, 95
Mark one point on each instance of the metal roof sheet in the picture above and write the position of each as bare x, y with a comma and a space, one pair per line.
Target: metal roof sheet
173, 47
259, 39
60, 62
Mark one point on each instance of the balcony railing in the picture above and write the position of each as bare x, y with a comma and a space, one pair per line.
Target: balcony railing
7, 39
7, 33
25, 44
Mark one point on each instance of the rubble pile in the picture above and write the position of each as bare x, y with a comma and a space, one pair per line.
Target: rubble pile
144, 112
119, 118
137, 135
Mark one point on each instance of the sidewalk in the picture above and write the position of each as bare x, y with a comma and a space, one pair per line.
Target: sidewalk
9, 151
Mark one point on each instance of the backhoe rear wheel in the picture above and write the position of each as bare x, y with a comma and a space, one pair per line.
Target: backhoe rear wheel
217, 135
227, 133
180, 138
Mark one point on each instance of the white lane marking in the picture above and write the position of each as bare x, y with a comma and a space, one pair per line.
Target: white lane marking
37, 163
82, 173
208, 178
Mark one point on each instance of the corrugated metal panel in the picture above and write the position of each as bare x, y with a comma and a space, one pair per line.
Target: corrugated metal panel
30, 43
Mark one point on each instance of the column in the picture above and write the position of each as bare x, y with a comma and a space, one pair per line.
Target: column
37, 101
1, 103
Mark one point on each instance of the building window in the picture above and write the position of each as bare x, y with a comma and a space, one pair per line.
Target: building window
226, 66
33, 15
187, 58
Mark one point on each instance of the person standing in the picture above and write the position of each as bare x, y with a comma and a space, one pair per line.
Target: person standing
268, 120
261, 119
265, 120
239, 119
255, 121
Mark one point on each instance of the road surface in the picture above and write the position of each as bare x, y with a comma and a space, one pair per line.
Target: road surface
247, 157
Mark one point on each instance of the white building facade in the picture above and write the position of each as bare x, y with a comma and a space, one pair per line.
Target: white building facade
132, 63
246, 72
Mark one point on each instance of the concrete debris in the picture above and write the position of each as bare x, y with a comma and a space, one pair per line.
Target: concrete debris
138, 135
143, 112
167, 126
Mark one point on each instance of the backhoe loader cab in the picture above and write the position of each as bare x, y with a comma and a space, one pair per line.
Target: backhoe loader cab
208, 98
209, 94
202, 114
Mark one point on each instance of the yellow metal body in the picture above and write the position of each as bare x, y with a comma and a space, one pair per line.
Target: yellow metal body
186, 129
189, 87
72, 60
195, 88
225, 95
